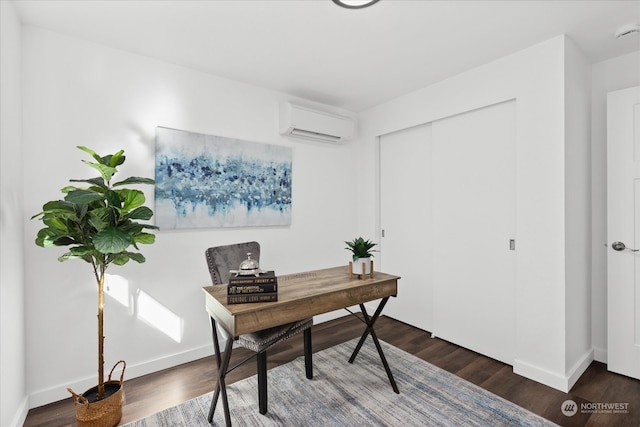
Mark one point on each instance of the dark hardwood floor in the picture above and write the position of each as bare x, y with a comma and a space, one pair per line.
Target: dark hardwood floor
154, 392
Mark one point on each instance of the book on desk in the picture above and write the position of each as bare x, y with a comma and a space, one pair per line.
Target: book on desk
253, 288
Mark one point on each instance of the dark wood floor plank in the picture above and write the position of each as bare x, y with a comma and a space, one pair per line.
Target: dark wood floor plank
480, 369
154, 392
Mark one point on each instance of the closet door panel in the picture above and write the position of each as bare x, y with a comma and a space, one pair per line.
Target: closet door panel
406, 248
473, 206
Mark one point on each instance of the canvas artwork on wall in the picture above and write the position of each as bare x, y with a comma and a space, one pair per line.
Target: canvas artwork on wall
212, 181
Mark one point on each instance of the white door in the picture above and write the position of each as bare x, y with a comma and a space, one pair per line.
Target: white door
623, 228
473, 208
405, 249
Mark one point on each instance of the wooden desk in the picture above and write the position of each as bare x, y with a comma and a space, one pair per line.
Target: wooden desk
300, 296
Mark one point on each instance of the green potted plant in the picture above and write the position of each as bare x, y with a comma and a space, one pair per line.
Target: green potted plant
99, 225
361, 251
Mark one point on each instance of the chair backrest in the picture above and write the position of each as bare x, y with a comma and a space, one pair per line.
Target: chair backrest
221, 259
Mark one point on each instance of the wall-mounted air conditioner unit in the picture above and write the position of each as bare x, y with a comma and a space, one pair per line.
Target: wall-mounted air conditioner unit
302, 122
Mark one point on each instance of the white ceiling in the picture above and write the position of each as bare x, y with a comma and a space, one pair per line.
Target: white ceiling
352, 59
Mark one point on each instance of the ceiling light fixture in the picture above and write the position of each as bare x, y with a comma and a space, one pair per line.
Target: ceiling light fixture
355, 4
627, 30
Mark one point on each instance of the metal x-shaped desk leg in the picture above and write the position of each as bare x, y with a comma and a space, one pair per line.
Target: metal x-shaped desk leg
370, 321
223, 365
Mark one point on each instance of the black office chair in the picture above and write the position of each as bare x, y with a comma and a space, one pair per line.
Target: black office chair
222, 259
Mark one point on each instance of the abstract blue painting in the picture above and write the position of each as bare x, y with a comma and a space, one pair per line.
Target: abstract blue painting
212, 181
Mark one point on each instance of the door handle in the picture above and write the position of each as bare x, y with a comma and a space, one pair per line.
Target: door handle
619, 246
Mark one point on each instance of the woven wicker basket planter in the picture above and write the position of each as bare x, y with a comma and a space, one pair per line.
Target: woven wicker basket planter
106, 412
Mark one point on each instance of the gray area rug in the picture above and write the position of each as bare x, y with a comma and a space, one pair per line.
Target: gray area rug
358, 394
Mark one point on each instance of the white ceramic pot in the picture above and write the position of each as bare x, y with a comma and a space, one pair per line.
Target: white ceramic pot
357, 265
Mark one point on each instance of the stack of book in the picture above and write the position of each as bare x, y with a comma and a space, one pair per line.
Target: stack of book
260, 288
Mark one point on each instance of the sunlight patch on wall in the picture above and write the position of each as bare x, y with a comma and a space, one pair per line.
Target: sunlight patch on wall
147, 308
117, 287
159, 316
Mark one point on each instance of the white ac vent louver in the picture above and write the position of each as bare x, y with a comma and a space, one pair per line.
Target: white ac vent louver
302, 122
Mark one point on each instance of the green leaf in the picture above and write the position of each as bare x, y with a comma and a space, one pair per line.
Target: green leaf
59, 206
90, 151
100, 218
134, 180
144, 238
66, 256
68, 188
61, 214
83, 196
111, 241
141, 212
55, 222
115, 159
71, 255
107, 172
120, 259
97, 181
83, 211
136, 256
123, 258
48, 237
131, 198
114, 199
45, 238
81, 250
64, 241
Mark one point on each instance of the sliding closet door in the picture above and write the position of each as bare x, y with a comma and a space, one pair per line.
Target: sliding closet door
405, 249
473, 207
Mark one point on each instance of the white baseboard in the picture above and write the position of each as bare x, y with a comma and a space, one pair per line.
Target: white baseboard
562, 382
578, 368
600, 354
54, 394
59, 392
21, 414
541, 375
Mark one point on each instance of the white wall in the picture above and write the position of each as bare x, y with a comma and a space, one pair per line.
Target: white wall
614, 74
13, 392
577, 187
78, 93
535, 78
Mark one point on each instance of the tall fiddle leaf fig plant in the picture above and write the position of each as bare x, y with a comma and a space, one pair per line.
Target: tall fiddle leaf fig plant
99, 224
